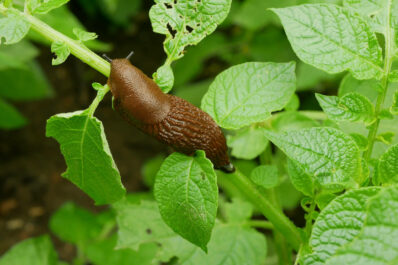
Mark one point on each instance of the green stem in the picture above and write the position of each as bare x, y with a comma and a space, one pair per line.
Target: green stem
260, 224
308, 224
76, 48
388, 58
275, 216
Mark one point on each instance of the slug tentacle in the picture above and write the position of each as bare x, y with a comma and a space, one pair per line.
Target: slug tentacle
170, 119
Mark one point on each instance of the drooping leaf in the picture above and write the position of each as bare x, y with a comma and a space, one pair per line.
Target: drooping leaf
339, 223
44, 6
61, 50
300, 180
351, 107
388, 166
13, 27
328, 36
249, 92
247, 143
377, 243
10, 118
83, 35
32, 251
265, 176
327, 154
87, 155
187, 193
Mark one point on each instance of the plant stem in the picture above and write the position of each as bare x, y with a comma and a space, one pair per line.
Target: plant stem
76, 48
260, 224
308, 223
275, 216
388, 58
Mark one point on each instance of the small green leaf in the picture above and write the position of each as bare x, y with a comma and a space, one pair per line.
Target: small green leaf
186, 22
323, 199
10, 118
13, 27
327, 154
187, 193
33, 251
82, 226
61, 50
388, 166
386, 137
385, 114
266, 176
44, 6
86, 151
393, 76
164, 77
83, 35
293, 104
249, 92
247, 143
339, 223
328, 36
377, 243
351, 107
300, 180
394, 106
360, 140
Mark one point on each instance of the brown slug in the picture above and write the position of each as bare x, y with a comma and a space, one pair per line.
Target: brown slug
170, 119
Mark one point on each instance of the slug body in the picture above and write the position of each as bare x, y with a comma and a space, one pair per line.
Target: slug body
170, 119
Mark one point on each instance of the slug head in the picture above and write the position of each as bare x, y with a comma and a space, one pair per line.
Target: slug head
136, 96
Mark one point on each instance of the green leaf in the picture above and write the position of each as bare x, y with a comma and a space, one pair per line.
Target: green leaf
386, 137
327, 154
164, 77
186, 22
351, 107
328, 36
33, 251
249, 92
44, 6
247, 143
394, 106
293, 104
253, 14
393, 76
300, 180
83, 35
360, 140
238, 210
10, 118
367, 88
28, 83
87, 155
309, 77
388, 166
378, 14
16, 55
13, 27
61, 50
266, 176
187, 193
323, 199
339, 223
82, 225
377, 243
292, 120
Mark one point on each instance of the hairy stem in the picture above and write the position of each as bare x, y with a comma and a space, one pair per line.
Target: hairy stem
388, 58
275, 216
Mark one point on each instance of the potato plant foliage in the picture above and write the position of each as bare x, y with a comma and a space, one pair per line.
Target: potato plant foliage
340, 164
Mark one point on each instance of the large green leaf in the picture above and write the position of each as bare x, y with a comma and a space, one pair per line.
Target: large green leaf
327, 154
187, 193
249, 92
338, 224
388, 166
86, 151
350, 107
377, 243
10, 118
13, 27
332, 39
44, 6
33, 251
